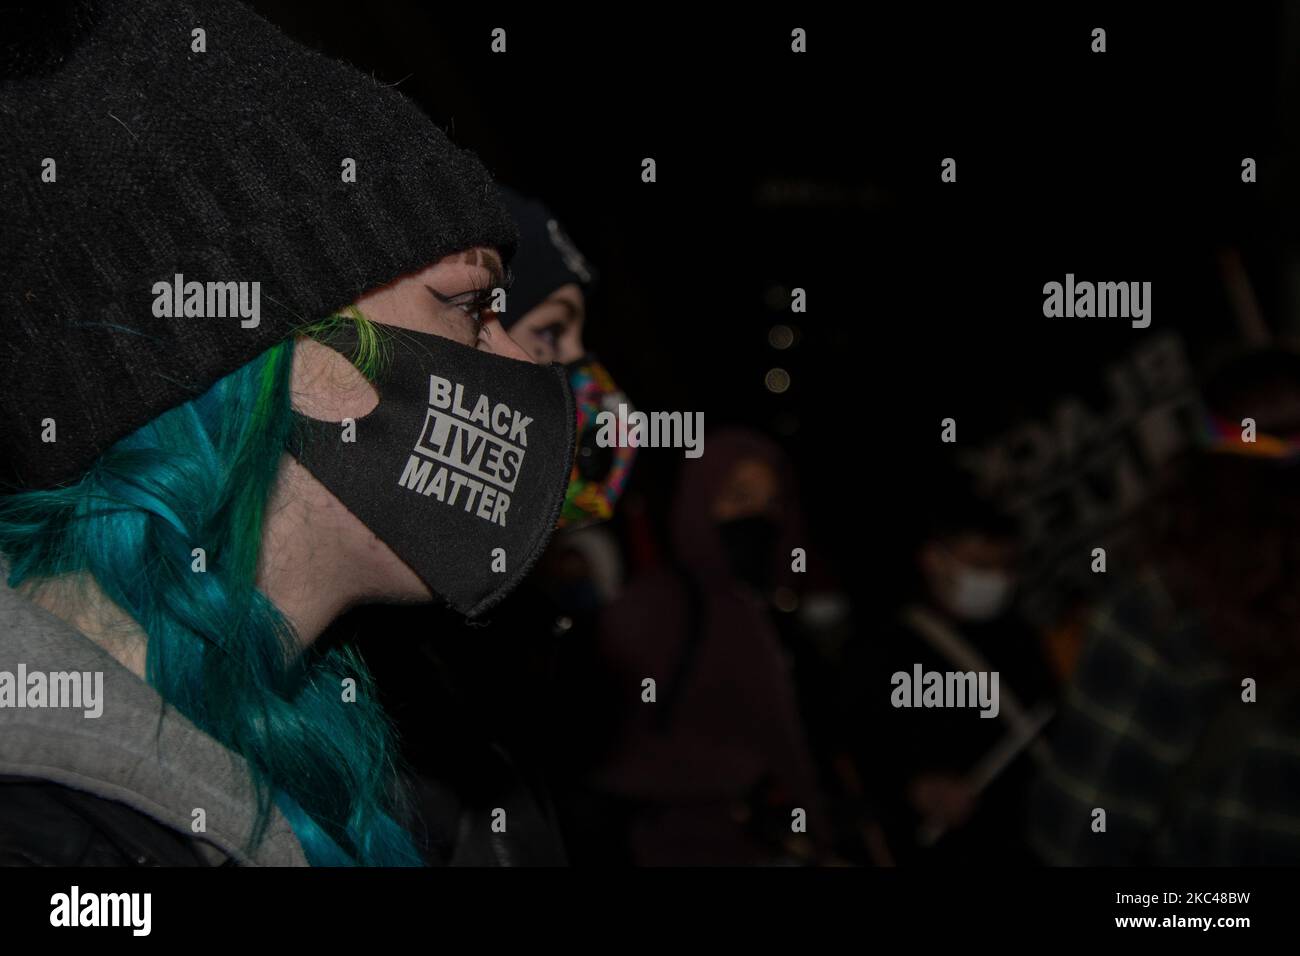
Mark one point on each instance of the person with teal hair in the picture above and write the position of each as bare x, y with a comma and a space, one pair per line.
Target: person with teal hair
249, 381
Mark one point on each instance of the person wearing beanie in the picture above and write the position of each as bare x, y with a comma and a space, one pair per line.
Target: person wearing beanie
249, 381
546, 313
512, 716
546, 309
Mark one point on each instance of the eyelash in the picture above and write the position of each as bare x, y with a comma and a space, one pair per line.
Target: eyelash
477, 305
475, 309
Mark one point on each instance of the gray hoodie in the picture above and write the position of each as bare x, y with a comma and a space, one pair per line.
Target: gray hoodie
166, 770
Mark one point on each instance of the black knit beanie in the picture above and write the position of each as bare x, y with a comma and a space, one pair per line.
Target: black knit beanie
128, 157
546, 258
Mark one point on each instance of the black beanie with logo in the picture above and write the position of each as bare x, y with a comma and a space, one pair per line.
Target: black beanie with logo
546, 259
141, 140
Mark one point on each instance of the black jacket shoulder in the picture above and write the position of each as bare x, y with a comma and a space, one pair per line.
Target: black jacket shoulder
47, 824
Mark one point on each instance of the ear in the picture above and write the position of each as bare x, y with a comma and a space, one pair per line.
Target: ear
326, 386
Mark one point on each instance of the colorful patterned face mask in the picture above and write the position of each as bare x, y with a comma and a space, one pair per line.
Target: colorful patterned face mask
599, 474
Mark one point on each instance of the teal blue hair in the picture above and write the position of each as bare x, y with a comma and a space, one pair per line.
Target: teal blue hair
219, 651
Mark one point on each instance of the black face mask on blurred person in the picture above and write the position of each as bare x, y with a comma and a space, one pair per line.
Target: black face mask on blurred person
460, 469
749, 542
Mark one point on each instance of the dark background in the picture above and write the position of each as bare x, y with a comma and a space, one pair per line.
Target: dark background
821, 171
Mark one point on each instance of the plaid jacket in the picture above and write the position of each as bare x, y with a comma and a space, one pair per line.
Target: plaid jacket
1155, 732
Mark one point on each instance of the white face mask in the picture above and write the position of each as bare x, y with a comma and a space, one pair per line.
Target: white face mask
974, 594
979, 595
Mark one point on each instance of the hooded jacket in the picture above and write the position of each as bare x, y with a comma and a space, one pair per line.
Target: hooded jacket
735, 733
120, 788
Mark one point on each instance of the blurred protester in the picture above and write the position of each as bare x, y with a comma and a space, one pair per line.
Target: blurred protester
546, 315
1159, 728
949, 784
713, 769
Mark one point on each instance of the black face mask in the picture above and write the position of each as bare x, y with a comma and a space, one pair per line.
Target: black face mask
749, 543
461, 468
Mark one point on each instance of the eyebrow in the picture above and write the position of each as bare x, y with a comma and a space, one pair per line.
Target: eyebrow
477, 257
570, 310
